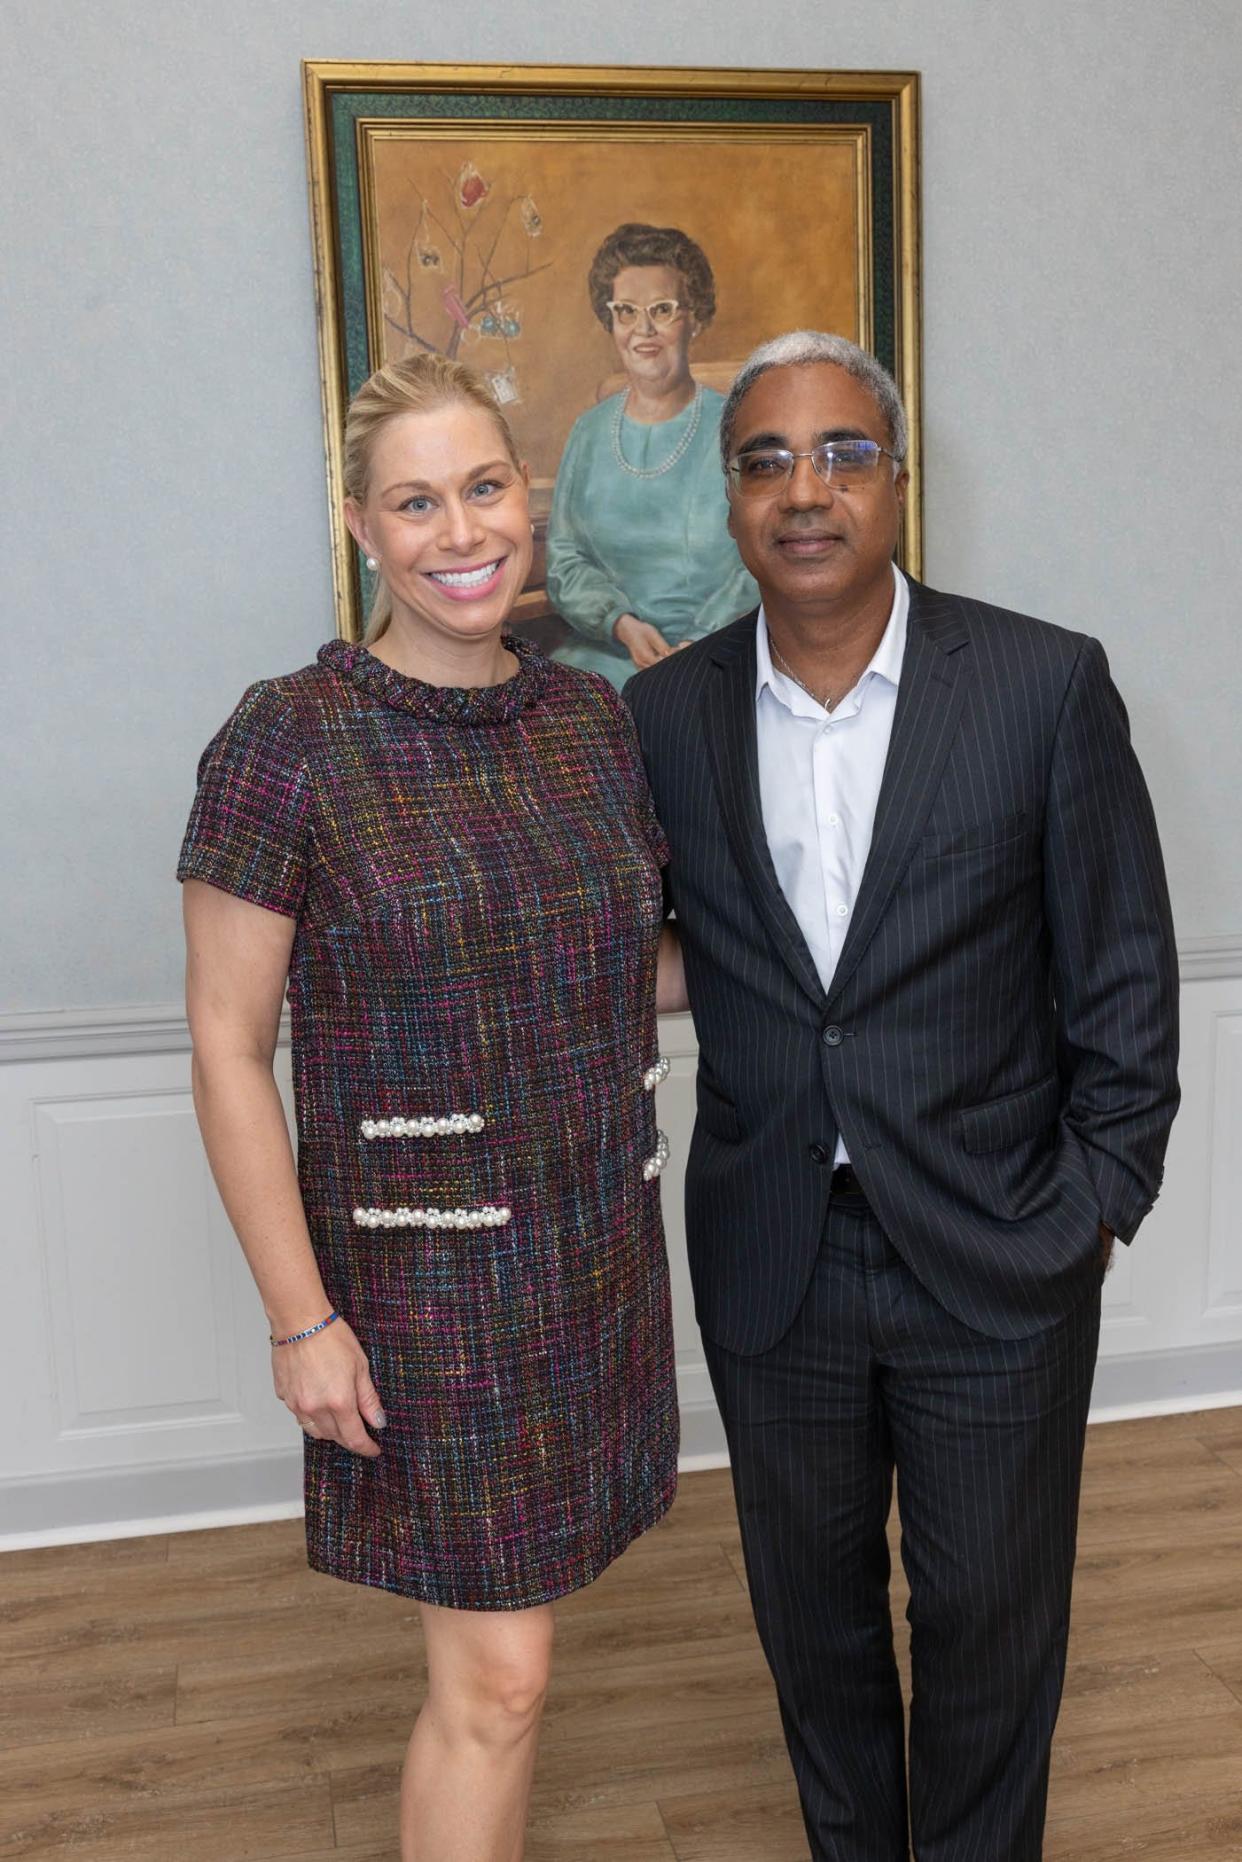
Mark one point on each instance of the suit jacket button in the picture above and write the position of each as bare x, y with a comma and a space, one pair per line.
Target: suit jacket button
833, 1036
819, 1153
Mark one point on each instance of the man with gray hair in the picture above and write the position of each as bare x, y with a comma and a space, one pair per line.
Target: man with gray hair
930, 958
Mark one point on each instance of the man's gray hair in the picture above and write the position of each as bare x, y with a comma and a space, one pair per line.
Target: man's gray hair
795, 350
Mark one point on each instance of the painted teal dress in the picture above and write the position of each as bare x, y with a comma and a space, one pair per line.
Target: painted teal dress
642, 541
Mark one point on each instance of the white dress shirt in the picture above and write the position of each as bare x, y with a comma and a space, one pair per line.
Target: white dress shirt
819, 782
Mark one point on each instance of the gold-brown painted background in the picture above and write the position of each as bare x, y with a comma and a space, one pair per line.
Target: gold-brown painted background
778, 216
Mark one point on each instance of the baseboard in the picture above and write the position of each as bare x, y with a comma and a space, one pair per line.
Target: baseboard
240, 1490
1166, 1383
131, 1503
702, 1438
127, 1503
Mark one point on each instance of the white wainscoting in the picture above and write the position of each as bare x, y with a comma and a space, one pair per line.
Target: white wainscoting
136, 1379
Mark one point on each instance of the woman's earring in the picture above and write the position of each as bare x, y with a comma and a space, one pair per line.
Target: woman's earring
372, 563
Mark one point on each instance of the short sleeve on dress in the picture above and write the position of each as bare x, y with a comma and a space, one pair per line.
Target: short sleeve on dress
248, 827
632, 762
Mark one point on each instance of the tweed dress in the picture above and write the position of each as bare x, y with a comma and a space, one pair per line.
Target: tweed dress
475, 877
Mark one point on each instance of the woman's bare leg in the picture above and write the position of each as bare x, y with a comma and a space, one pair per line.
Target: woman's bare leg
467, 1776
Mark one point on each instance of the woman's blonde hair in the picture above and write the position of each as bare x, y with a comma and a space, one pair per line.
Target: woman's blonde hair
417, 385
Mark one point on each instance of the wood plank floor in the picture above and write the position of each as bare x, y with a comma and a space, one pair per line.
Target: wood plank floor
205, 1698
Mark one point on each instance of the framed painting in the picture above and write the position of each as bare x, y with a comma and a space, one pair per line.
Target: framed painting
515, 217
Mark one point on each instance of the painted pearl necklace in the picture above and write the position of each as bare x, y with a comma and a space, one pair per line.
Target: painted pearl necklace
679, 451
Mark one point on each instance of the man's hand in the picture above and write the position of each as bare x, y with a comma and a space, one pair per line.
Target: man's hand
1107, 1240
644, 643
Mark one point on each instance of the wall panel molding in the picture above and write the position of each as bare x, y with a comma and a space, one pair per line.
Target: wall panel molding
106, 1033
81, 1034
1210, 959
130, 1240
160, 1027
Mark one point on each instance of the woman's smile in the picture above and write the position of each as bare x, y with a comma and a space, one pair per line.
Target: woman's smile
469, 584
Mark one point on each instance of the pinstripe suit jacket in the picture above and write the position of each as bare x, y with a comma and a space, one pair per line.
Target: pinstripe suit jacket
999, 1042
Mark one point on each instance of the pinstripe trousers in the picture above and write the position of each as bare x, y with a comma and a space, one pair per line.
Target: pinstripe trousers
986, 1437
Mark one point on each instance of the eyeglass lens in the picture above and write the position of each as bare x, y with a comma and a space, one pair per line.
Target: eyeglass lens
838, 462
661, 313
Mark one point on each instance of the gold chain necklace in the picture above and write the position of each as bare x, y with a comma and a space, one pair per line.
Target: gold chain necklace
827, 701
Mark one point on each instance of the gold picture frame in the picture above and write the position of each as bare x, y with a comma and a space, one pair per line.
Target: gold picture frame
804, 185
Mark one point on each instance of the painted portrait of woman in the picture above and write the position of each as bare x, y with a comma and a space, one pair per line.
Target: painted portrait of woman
639, 561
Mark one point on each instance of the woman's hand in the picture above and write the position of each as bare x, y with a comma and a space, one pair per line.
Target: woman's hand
326, 1382
644, 643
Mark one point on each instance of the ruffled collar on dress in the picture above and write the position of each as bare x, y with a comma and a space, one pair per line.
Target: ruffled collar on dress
442, 704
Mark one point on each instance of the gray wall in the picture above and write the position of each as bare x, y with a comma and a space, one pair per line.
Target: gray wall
163, 495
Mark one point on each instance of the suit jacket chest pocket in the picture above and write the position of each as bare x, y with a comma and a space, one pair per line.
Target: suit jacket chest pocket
997, 838
980, 869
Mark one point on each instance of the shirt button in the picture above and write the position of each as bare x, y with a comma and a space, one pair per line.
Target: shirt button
843, 911
834, 821
833, 1036
819, 1153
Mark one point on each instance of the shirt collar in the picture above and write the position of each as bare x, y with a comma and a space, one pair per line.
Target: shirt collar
885, 662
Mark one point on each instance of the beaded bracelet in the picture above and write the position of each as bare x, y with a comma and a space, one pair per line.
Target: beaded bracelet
295, 1337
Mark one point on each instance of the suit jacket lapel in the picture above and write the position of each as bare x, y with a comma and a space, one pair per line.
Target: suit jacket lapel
729, 722
930, 696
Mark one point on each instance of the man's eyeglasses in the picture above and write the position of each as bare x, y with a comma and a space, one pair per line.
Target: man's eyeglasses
625, 315
843, 464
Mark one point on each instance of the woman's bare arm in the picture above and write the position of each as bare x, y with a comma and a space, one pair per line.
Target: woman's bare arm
237, 962
671, 997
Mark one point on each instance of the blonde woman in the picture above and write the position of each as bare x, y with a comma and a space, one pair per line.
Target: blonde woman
443, 844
